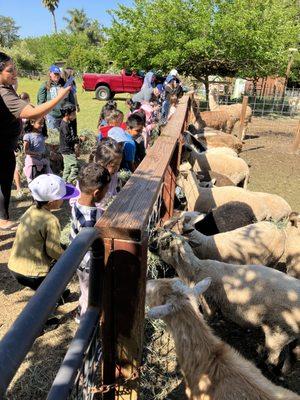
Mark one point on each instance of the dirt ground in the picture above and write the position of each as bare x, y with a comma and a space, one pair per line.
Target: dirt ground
273, 169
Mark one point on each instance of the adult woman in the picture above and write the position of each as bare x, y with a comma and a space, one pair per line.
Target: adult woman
12, 109
68, 76
146, 90
49, 90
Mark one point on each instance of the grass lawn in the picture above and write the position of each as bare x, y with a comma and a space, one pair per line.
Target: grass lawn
89, 106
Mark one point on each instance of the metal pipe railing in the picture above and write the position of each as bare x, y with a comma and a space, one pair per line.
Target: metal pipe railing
18, 340
65, 378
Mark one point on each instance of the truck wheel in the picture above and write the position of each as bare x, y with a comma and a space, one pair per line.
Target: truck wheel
102, 93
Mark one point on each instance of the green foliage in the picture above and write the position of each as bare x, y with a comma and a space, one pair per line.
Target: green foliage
77, 20
24, 59
204, 37
75, 49
8, 31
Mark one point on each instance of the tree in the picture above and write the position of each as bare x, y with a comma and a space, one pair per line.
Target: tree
51, 5
204, 37
78, 21
8, 31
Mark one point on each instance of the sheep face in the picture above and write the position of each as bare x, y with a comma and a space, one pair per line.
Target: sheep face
168, 296
173, 248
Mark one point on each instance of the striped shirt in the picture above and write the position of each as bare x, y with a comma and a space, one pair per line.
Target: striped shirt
83, 217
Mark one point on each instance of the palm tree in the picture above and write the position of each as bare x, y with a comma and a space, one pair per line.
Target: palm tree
51, 5
78, 20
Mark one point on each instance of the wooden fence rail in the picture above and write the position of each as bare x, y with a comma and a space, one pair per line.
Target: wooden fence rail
124, 229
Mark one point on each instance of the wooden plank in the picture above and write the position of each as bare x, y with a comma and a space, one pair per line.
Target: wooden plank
128, 215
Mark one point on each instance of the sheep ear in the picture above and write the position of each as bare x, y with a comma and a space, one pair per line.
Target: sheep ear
160, 311
213, 181
202, 286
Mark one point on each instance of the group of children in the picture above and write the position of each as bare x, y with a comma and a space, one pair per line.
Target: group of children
119, 146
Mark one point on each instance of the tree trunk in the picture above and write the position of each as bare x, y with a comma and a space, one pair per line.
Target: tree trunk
206, 84
54, 21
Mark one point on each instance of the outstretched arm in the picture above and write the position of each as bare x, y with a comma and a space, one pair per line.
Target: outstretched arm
30, 112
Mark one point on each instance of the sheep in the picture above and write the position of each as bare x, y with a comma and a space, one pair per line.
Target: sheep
212, 369
212, 176
236, 169
222, 150
235, 110
225, 218
249, 295
292, 253
259, 243
265, 206
207, 176
213, 138
220, 120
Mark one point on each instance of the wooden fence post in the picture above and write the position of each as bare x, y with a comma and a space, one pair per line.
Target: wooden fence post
124, 229
243, 117
295, 145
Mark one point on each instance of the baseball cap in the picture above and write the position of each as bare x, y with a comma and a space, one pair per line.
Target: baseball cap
50, 187
173, 72
118, 134
54, 69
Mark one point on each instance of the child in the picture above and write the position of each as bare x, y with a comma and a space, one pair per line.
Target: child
108, 154
35, 149
115, 118
111, 105
129, 147
135, 126
93, 183
37, 241
173, 105
69, 143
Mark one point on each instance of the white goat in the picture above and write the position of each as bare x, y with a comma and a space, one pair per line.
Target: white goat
249, 295
212, 369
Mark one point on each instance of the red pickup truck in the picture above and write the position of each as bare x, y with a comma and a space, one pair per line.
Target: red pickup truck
107, 85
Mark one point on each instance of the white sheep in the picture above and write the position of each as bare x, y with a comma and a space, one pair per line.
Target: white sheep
235, 168
265, 206
292, 251
212, 369
211, 138
259, 243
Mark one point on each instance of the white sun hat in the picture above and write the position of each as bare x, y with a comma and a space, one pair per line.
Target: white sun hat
50, 187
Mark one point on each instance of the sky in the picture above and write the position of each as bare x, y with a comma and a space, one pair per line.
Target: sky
35, 20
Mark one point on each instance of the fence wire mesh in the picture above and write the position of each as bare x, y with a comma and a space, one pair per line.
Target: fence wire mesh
88, 376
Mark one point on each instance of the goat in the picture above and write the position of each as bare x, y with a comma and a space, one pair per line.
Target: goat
212, 369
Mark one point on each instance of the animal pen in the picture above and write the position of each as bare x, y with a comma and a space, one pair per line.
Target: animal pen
105, 360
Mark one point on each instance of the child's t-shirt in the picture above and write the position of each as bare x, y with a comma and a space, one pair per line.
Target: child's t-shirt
129, 147
36, 143
83, 217
67, 138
